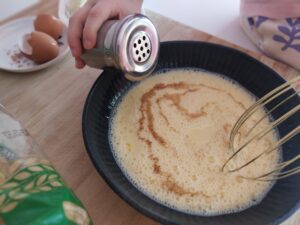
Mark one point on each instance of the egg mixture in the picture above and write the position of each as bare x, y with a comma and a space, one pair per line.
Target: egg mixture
170, 136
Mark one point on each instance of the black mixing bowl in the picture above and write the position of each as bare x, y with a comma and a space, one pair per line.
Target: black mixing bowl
283, 198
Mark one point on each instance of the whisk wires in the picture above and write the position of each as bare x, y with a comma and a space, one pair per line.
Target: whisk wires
268, 98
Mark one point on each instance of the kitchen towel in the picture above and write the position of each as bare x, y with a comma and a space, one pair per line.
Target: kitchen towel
274, 27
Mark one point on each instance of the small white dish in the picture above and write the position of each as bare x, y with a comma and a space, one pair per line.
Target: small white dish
11, 58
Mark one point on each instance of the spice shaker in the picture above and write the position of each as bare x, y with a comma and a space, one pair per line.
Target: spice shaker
130, 44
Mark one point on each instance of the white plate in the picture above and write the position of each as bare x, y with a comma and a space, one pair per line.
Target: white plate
11, 58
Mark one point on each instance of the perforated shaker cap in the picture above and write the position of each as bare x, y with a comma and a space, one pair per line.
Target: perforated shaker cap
137, 46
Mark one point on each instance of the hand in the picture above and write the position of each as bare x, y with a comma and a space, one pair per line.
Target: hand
85, 23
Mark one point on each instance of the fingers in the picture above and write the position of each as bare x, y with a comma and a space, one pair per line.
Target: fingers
99, 13
76, 24
85, 23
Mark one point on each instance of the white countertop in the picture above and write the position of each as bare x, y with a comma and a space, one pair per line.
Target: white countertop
11, 7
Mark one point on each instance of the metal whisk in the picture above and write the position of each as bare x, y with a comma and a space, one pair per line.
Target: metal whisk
278, 97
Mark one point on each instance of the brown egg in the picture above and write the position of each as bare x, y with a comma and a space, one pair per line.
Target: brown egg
49, 24
40, 47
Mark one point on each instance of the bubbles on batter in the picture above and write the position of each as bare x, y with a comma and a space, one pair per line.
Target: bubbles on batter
189, 161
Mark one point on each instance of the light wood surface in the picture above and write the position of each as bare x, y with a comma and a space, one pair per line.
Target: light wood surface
49, 103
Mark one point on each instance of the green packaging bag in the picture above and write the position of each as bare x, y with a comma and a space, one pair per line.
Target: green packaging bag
31, 190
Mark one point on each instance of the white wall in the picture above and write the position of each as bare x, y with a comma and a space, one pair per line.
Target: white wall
216, 17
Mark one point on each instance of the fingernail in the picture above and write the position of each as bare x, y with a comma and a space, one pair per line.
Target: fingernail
79, 64
87, 44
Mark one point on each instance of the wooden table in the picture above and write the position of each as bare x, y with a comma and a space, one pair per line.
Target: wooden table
49, 103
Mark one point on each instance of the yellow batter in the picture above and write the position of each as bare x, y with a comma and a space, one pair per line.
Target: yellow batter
170, 136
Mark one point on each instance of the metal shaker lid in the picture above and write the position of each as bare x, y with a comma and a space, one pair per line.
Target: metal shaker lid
137, 46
